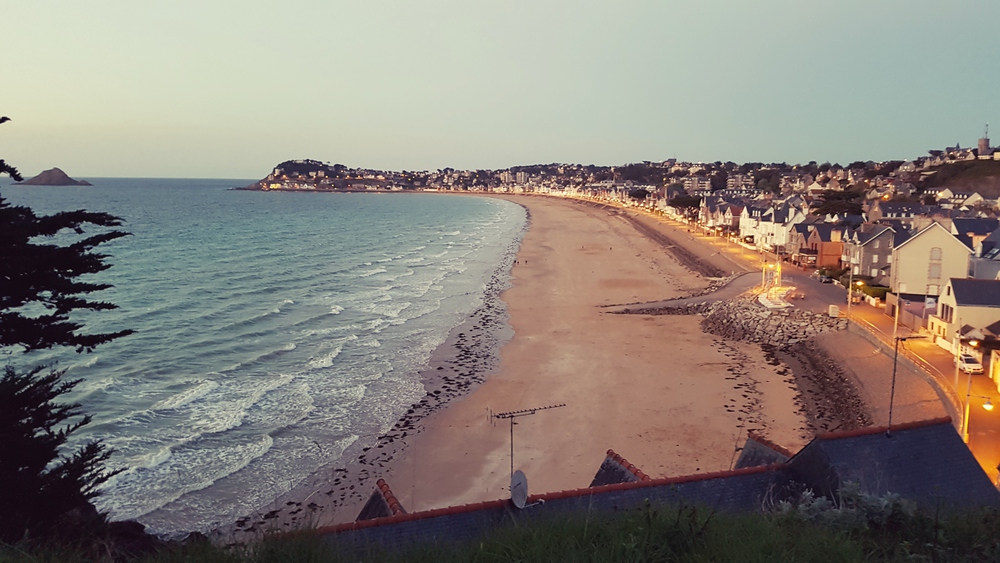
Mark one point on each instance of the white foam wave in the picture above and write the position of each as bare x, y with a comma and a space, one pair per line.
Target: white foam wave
325, 360
370, 342
186, 396
86, 364
369, 273
141, 490
336, 309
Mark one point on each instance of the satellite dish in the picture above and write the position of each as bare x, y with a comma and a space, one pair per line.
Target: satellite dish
519, 489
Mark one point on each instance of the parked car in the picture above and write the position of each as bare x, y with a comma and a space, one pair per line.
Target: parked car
825, 279
969, 364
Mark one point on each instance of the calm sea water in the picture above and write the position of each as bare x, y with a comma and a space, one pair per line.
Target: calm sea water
273, 331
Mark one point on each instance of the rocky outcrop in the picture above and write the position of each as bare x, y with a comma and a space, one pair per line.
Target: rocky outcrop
54, 177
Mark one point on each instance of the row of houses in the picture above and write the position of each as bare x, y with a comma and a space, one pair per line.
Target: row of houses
939, 265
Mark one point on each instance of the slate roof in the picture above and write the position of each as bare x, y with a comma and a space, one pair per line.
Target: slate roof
760, 451
381, 504
974, 226
742, 490
926, 462
616, 469
976, 293
991, 242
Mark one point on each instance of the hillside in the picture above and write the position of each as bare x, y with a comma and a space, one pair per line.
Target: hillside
981, 176
54, 177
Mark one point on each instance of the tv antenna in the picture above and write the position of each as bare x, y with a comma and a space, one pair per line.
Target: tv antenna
512, 415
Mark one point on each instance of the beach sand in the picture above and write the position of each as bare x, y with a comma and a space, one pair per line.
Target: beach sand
656, 389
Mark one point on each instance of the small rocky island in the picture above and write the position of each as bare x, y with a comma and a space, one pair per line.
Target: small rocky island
54, 177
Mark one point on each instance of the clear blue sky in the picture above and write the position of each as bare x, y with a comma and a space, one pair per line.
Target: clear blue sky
228, 89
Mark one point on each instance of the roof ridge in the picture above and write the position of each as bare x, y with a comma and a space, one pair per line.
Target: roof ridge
500, 503
390, 499
628, 466
883, 429
768, 443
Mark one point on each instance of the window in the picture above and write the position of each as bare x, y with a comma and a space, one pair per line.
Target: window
947, 313
874, 258
934, 272
876, 244
936, 253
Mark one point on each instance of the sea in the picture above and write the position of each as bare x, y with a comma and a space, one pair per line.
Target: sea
273, 331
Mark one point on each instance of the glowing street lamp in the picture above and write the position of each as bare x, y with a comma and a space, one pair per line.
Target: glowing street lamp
892, 389
968, 392
850, 293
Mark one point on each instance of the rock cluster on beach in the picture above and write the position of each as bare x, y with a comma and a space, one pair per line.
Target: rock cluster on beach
743, 319
829, 400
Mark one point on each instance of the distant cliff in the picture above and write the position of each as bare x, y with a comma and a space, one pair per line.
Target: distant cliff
54, 177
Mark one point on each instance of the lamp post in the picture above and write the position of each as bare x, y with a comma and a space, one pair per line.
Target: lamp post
850, 287
850, 292
968, 393
892, 389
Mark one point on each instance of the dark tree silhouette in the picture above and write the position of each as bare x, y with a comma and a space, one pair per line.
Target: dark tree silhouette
46, 490
45, 494
47, 275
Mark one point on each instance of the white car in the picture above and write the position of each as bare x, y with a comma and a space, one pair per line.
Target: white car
969, 364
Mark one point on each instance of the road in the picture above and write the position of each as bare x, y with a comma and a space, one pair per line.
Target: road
984, 426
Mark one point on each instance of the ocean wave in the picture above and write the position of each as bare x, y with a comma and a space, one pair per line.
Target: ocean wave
190, 394
325, 360
369, 273
141, 490
86, 363
269, 355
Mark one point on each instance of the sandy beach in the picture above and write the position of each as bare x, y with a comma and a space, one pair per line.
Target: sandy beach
657, 390
660, 390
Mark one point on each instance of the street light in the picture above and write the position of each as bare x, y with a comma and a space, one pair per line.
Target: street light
968, 392
892, 389
987, 406
850, 292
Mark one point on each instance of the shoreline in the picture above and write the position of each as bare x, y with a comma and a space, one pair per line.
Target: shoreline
336, 492
762, 395
565, 350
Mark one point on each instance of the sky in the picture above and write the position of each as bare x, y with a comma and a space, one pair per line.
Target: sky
221, 89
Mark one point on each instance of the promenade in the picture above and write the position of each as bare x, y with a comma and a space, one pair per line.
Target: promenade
877, 329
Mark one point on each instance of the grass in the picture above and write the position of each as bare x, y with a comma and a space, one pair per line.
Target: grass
686, 534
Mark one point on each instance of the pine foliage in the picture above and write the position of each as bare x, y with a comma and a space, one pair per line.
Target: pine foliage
45, 487
37, 273
47, 493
